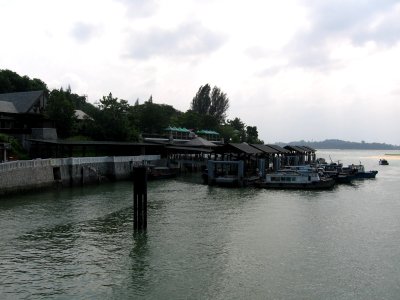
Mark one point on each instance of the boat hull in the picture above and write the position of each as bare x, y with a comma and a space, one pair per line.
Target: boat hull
316, 185
344, 178
365, 175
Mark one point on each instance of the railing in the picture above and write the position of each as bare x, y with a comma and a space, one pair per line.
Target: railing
23, 164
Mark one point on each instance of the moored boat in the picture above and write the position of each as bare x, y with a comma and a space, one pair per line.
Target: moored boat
335, 171
359, 171
295, 179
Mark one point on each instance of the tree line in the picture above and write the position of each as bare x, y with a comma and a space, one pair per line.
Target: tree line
340, 144
115, 119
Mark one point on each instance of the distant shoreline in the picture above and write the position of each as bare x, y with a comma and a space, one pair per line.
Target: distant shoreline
343, 145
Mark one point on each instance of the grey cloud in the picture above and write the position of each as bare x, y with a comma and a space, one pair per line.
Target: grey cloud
257, 52
271, 71
387, 32
186, 40
341, 19
139, 8
83, 32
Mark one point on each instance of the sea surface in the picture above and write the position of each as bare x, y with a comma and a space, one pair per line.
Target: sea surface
207, 242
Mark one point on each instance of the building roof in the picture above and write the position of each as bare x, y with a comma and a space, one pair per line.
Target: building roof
295, 149
7, 107
309, 148
238, 148
265, 148
199, 142
81, 115
207, 132
22, 101
188, 149
177, 129
279, 149
300, 149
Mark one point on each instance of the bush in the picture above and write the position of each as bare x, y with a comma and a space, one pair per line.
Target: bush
17, 151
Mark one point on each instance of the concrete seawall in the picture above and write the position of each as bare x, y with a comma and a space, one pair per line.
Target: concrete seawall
19, 176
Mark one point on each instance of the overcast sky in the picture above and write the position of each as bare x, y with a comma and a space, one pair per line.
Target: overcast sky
296, 69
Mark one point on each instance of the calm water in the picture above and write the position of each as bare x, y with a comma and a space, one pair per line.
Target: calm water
207, 243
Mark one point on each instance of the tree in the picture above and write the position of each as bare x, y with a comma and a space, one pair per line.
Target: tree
202, 101
252, 135
228, 133
211, 102
219, 104
61, 110
239, 126
12, 82
111, 119
151, 117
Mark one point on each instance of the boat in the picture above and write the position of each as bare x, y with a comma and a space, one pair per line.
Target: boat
383, 162
359, 171
292, 178
344, 178
335, 171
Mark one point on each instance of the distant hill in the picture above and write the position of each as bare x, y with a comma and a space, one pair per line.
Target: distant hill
339, 144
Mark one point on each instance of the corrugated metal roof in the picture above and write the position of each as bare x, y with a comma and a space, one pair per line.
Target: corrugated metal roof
246, 148
199, 142
207, 132
177, 129
265, 148
295, 149
22, 101
309, 148
280, 149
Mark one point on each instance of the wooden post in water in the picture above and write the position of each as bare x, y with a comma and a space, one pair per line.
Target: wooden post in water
139, 198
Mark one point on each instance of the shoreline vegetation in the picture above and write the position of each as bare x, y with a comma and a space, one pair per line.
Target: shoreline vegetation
343, 145
113, 119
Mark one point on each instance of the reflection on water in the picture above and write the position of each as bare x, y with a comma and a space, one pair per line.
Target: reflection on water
206, 242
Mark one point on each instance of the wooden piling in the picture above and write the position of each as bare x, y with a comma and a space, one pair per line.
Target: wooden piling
139, 198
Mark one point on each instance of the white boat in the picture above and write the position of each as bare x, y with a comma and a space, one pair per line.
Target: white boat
296, 178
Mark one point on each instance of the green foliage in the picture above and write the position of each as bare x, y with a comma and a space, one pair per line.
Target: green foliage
17, 151
237, 132
12, 82
202, 101
219, 104
61, 110
239, 127
252, 135
111, 120
114, 119
228, 133
196, 121
211, 102
151, 117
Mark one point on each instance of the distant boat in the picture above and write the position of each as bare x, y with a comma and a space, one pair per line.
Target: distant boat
383, 162
303, 178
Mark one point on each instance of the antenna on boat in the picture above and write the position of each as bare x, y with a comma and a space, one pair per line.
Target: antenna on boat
330, 159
